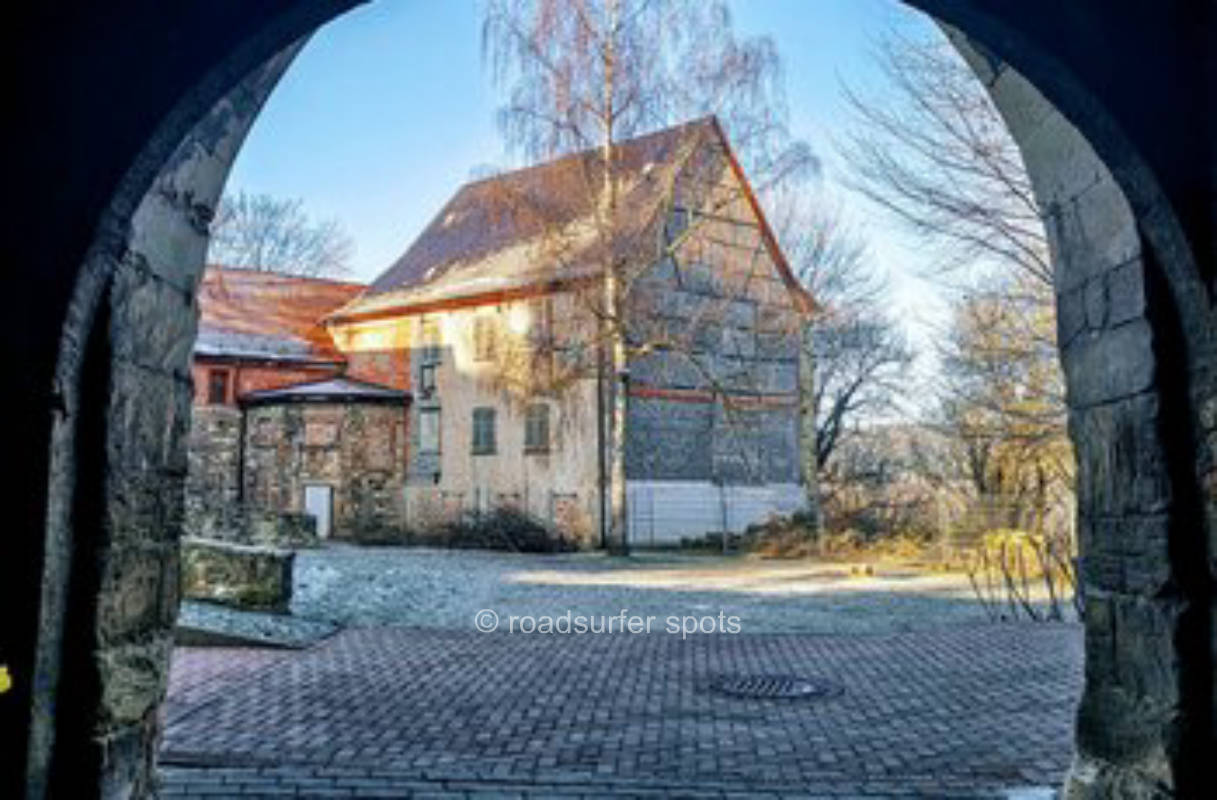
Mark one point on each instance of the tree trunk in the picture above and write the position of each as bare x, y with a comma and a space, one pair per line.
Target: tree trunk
619, 393
807, 426
619, 531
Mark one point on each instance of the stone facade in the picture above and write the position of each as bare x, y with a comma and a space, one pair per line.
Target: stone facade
249, 466
1145, 610
215, 498
259, 332
356, 449
213, 473
244, 576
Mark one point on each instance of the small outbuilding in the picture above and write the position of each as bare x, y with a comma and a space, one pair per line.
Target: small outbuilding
332, 448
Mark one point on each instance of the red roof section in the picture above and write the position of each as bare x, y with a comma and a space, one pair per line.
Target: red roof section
272, 305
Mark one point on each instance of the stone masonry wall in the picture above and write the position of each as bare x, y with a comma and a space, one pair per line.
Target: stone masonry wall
120, 455
243, 576
241, 523
213, 460
1141, 716
356, 448
215, 508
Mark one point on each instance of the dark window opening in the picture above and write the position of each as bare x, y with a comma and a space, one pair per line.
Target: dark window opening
217, 387
536, 429
483, 431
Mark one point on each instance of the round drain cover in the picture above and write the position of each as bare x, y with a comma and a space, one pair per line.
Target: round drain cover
769, 687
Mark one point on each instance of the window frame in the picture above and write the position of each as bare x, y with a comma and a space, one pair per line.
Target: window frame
431, 340
477, 444
542, 340
679, 220
225, 376
426, 378
435, 412
484, 345
536, 417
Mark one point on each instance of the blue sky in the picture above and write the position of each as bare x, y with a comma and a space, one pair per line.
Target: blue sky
388, 109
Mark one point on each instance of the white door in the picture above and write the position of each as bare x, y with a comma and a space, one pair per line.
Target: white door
318, 504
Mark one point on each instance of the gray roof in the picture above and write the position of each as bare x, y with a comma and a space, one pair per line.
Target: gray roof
331, 390
489, 215
536, 227
217, 343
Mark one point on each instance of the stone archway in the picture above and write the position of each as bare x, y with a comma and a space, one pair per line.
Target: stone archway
1134, 513
108, 326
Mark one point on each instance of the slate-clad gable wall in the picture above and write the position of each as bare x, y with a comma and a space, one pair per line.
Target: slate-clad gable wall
722, 301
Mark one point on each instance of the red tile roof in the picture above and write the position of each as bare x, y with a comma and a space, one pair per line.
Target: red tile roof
246, 312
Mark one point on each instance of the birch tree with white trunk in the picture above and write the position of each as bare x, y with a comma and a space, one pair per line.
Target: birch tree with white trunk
581, 76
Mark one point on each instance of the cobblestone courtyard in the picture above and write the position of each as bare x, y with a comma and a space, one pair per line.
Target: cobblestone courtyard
410, 700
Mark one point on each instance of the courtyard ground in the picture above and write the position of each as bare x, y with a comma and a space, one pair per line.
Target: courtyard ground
923, 695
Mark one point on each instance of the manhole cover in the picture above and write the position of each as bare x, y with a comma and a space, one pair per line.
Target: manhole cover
767, 687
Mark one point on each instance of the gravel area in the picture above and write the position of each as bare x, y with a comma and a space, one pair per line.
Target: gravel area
444, 589
412, 700
275, 630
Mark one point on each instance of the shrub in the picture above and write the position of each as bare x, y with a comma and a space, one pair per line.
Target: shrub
501, 529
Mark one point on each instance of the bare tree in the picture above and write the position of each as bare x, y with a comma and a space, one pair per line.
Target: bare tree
261, 232
581, 76
935, 152
1003, 402
858, 354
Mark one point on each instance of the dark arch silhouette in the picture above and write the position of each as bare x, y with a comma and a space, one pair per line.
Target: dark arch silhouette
131, 107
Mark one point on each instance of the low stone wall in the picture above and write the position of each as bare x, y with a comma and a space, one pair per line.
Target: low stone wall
244, 576
253, 526
281, 528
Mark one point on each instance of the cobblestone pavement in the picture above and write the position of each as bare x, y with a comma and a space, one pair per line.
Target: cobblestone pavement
966, 711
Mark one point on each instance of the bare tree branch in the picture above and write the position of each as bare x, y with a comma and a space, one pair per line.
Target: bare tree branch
261, 232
